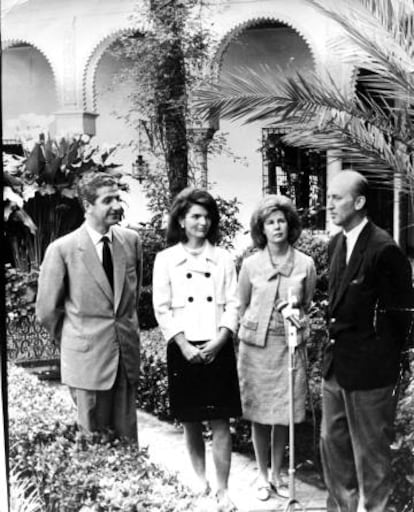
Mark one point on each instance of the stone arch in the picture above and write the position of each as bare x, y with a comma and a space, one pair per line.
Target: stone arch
89, 75
12, 42
240, 25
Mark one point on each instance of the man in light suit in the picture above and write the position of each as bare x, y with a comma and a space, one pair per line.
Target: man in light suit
87, 299
370, 294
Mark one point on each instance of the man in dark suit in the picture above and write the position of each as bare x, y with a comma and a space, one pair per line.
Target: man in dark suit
370, 292
87, 299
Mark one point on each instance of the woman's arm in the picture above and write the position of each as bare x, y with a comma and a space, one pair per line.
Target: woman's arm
230, 317
162, 298
244, 289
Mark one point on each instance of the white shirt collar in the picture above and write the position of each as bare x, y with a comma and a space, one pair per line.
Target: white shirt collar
95, 236
352, 237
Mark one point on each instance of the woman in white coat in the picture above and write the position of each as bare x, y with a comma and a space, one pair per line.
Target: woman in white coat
195, 303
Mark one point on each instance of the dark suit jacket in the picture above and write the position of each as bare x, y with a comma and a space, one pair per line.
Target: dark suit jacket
95, 326
366, 329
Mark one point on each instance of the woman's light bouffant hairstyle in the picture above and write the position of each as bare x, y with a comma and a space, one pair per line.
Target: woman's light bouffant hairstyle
268, 205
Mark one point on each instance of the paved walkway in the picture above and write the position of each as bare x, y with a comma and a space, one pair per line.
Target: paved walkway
166, 448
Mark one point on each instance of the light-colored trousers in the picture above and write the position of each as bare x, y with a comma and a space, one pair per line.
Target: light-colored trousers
113, 409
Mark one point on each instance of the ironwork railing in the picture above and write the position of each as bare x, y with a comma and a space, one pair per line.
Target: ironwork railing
29, 345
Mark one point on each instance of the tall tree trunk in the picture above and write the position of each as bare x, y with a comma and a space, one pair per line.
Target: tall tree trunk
170, 91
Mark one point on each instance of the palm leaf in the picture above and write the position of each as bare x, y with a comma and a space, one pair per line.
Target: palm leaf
379, 36
374, 129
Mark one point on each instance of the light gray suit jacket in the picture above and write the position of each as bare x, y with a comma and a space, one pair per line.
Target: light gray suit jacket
94, 325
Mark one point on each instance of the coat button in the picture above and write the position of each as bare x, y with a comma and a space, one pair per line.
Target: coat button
189, 275
209, 299
207, 274
333, 320
332, 342
190, 299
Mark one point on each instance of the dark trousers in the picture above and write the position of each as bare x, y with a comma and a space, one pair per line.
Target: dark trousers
113, 409
356, 437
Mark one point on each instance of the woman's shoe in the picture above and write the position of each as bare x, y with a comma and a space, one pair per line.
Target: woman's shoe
224, 503
263, 492
280, 488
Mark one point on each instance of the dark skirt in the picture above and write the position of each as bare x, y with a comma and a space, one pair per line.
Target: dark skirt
201, 392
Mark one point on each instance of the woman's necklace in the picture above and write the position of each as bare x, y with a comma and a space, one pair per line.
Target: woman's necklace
195, 251
276, 261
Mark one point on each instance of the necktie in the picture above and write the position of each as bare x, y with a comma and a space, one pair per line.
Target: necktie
107, 261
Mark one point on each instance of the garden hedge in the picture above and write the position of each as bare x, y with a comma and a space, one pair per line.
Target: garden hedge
57, 468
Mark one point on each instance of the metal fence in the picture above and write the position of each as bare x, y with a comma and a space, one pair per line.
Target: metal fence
29, 345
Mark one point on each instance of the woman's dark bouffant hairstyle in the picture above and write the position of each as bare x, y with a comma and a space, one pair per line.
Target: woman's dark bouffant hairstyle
182, 204
268, 205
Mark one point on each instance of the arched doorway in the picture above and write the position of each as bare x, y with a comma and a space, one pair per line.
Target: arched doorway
29, 91
259, 45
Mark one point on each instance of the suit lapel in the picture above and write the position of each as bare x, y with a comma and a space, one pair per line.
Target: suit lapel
270, 271
119, 260
92, 262
353, 264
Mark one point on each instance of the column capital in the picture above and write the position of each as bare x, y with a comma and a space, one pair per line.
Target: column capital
75, 121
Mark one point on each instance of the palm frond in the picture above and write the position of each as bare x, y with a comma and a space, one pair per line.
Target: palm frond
265, 93
379, 36
374, 129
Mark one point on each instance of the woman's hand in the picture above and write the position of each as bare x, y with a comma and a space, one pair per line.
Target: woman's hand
188, 350
210, 349
192, 354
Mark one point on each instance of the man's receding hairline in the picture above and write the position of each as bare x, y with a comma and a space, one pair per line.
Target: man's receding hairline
358, 184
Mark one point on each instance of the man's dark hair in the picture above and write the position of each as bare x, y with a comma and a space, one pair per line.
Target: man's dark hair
90, 183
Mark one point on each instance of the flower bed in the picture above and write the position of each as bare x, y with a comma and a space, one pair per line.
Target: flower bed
64, 470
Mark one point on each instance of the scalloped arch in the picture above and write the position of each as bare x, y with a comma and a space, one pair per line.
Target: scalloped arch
240, 25
10, 43
89, 75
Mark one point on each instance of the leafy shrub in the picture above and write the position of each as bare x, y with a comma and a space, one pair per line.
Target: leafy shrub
403, 447
20, 292
146, 316
69, 470
152, 395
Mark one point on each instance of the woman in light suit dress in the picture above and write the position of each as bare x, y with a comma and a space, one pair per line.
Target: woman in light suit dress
269, 278
195, 303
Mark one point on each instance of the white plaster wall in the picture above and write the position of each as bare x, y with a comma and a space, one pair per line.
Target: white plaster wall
252, 49
27, 87
68, 32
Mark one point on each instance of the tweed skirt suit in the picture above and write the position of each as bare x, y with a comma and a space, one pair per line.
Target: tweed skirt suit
263, 351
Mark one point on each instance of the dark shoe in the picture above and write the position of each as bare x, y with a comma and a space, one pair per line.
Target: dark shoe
263, 492
280, 488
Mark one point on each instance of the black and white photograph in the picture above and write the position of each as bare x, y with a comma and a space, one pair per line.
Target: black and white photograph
208, 256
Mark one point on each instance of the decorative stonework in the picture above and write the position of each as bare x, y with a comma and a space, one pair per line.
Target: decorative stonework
238, 26
10, 43
89, 74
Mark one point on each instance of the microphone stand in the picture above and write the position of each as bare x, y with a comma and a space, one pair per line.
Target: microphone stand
292, 344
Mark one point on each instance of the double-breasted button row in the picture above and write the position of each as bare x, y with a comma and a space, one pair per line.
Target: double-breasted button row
208, 299
189, 275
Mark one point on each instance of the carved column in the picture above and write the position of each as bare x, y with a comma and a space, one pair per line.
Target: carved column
71, 117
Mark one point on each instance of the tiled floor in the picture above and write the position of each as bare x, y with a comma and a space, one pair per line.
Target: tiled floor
166, 448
